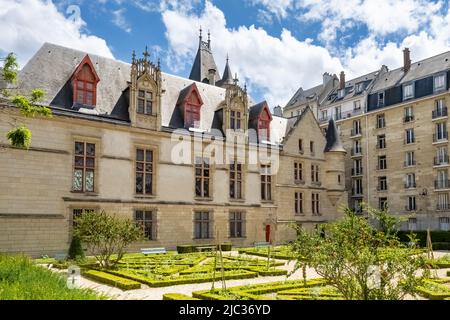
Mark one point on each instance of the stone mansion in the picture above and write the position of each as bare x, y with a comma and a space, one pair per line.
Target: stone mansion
110, 146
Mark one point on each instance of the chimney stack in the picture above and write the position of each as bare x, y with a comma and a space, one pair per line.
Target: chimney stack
212, 76
406, 60
326, 78
342, 81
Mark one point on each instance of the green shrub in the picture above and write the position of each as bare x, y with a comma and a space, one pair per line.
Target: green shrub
226, 246
441, 245
434, 291
21, 279
76, 251
20, 137
177, 296
436, 237
185, 249
106, 278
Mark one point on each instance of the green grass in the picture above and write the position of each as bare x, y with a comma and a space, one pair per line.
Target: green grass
21, 279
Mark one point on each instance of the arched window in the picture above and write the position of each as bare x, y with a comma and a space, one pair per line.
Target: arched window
84, 82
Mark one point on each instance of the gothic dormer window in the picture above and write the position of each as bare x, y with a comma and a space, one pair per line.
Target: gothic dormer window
190, 103
84, 83
260, 119
145, 102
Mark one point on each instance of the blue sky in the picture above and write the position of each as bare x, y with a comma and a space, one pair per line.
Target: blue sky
275, 46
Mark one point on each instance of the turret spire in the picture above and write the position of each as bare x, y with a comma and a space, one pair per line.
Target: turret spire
334, 143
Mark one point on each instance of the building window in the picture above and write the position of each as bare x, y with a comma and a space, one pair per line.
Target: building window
202, 223
339, 179
341, 93
381, 141
411, 203
382, 163
410, 159
324, 115
235, 120
237, 225
409, 114
444, 223
315, 204
235, 180
412, 224
382, 183
441, 156
440, 109
202, 177
76, 213
145, 102
410, 181
266, 183
381, 99
356, 105
84, 83
359, 87
311, 147
298, 204
357, 187
409, 136
85, 92
337, 113
144, 171
439, 82
298, 171
408, 91
357, 167
382, 203
443, 201
84, 167
300, 145
314, 173
442, 181
356, 129
381, 121
147, 221
441, 132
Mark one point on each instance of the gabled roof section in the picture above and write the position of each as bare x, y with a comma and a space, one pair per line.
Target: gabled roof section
86, 60
203, 62
186, 93
334, 143
293, 122
256, 110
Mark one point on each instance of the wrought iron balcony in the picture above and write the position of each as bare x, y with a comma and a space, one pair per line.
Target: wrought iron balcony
357, 171
410, 185
443, 207
441, 184
382, 188
408, 118
441, 160
356, 152
355, 132
439, 113
410, 163
440, 137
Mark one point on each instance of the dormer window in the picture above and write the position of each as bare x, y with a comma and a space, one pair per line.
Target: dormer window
84, 84
341, 93
439, 82
145, 102
359, 87
408, 91
235, 120
190, 103
264, 125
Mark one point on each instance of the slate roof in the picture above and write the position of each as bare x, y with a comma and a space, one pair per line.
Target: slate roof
255, 110
334, 143
52, 67
227, 77
302, 96
203, 61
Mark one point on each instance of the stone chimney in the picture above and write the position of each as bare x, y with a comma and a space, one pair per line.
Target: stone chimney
212, 76
278, 111
326, 78
342, 80
406, 60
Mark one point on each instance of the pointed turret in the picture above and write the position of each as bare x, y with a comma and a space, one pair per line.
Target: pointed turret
204, 62
334, 143
227, 78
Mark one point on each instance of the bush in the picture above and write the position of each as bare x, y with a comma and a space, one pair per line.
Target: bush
76, 251
103, 277
441, 245
436, 237
185, 249
434, 291
20, 137
21, 279
226, 246
177, 296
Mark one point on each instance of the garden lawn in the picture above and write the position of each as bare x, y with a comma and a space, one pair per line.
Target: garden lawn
21, 279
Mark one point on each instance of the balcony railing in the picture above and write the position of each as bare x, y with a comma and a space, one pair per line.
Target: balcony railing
357, 193
410, 185
382, 188
356, 152
338, 116
324, 119
357, 171
440, 137
355, 132
381, 146
408, 119
438, 113
443, 207
441, 184
410, 163
441, 160
383, 167
408, 208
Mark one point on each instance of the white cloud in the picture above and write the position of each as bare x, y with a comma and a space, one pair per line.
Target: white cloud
25, 25
275, 66
279, 8
120, 21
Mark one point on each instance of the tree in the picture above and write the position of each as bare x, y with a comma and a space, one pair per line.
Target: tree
106, 235
360, 261
20, 135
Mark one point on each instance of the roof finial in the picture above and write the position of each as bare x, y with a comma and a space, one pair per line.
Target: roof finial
146, 54
235, 80
133, 57
227, 57
159, 63
245, 87
209, 39
200, 34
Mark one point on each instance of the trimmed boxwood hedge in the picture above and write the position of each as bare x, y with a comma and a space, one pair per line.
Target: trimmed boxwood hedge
177, 296
438, 238
106, 278
434, 291
185, 249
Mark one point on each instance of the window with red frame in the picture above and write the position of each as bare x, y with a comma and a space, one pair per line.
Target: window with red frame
264, 120
84, 83
192, 116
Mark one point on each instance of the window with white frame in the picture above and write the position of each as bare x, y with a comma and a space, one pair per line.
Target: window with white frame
410, 159
409, 114
444, 223
443, 201
412, 224
410, 180
439, 82
409, 136
357, 105
411, 203
408, 91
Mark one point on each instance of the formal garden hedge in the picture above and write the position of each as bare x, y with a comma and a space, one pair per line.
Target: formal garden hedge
280, 252
115, 281
435, 289
439, 239
177, 296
